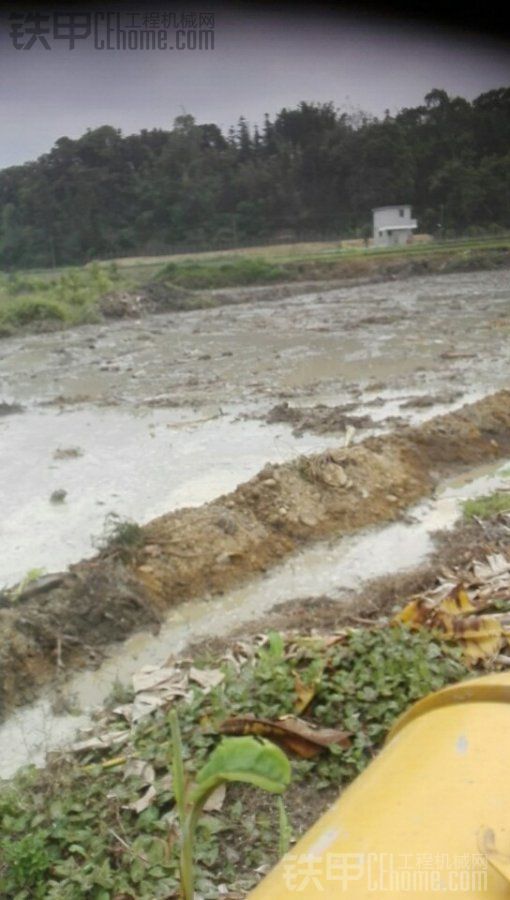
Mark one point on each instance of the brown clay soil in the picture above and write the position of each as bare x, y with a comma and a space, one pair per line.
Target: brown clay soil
65, 620
320, 419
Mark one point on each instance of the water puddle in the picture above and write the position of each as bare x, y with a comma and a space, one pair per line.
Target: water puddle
141, 463
136, 464
332, 568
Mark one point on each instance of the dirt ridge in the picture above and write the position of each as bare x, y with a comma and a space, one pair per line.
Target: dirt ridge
206, 550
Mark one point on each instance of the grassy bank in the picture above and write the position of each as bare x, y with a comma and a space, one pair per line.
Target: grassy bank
240, 270
64, 298
71, 831
54, 299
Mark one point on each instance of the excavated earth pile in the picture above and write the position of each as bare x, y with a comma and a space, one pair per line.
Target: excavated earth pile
63, 621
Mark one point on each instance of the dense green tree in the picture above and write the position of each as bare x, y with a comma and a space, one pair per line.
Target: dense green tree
309, 172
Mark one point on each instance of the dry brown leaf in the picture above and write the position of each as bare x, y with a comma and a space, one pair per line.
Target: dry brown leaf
458, 602
155, 686
144, 704
457, 613
293, 734
480, 636
102, 742
338, 638
215, 800
497, 568
140, 768
206, 678
158, 678
125, 710
165, 783
304, 693
143, 802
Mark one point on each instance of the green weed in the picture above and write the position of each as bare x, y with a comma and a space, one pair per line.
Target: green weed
88, 843
67, 298
29, 310
487, 506
222, 273
120, 534
31, 575
28, 862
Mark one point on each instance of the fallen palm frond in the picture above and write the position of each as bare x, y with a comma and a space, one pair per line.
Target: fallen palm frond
470, 607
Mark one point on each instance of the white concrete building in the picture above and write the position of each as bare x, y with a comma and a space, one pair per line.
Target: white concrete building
393, 225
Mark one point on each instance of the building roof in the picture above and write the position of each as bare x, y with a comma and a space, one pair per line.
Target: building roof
393, 206
410, 225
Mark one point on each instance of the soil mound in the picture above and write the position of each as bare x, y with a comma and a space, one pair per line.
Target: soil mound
206, 550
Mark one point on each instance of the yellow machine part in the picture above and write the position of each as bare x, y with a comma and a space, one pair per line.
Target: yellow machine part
429, 817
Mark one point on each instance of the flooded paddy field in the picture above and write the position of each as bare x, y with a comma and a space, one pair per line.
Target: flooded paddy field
420, 335
170, 410
147, 416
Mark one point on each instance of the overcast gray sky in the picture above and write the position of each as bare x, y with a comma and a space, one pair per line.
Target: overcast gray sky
262, 60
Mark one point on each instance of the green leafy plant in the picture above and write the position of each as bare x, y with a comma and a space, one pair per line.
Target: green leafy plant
81, 811
245, 759
29, 860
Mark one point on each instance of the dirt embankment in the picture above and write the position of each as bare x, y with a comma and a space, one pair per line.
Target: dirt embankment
300, 277
63, 621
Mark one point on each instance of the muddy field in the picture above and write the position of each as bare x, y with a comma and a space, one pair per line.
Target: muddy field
173, 410
419, 335
142, 417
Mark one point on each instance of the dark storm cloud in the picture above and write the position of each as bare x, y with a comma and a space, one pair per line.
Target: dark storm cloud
262, 60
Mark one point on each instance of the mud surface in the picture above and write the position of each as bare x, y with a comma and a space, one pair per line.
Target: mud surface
320, 419
170, 410
9, 409
203, 551
142, 416
425, 335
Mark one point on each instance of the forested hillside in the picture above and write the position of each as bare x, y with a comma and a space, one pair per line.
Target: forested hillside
311, 172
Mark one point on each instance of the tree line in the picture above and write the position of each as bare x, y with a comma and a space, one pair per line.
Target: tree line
310, 172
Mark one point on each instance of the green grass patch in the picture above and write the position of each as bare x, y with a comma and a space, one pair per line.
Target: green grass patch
28, 310
70, 296
238, 270
222, 272
65, 298
67, 832
487, 506
141, 267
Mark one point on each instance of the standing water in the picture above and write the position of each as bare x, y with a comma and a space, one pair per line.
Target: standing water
333, 568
